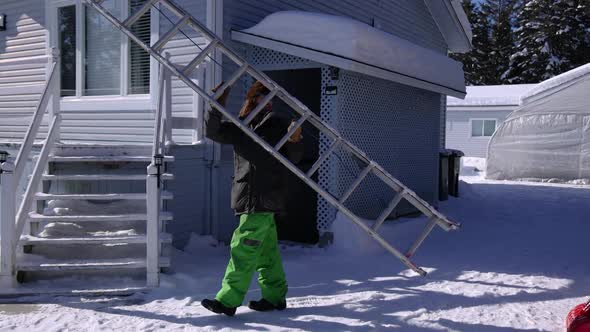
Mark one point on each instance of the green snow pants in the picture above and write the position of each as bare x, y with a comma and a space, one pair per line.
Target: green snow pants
254, 247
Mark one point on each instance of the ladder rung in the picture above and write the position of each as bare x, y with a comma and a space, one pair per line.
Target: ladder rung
128, 23
98, 2
285, 138
174, 8
261, 105
429, 227
199, 58
392, 249
323, 157
166, 38
231, 81
357, 182
388, 210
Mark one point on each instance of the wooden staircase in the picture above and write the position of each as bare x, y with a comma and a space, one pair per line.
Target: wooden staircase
90, 215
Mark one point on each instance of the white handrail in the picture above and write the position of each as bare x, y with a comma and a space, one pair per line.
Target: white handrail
49, 103
159, 110
163, 117
25, 149
25, 206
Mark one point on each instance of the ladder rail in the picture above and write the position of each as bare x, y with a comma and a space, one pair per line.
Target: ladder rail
261, 105
394, 202
296, 105
321, 159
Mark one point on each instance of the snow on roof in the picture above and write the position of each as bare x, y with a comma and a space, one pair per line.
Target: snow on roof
558, 82
353, 45
492, 95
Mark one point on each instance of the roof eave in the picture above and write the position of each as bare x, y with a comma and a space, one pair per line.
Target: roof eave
452, 23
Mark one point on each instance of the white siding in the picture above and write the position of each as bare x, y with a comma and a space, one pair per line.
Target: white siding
24, 40
459, 131
25, 35
182, 51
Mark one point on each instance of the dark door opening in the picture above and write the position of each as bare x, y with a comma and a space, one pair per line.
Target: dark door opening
299, 223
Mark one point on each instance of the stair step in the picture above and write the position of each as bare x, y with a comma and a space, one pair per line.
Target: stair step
99, 197
102, 177
99, 289
36, 217
133, 239
38, 264
106, 159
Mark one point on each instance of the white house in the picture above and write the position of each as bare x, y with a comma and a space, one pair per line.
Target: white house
472, 121
366, 74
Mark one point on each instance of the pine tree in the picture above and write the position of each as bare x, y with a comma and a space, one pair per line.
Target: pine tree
501, 16
478, 69
552, 36
575, 29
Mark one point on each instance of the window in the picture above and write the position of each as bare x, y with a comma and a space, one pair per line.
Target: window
483, 128
96, 59
67, 46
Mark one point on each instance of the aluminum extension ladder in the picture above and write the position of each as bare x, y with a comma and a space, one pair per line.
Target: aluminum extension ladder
215, 43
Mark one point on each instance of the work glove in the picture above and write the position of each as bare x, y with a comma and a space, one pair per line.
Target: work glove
223, 98
296, 137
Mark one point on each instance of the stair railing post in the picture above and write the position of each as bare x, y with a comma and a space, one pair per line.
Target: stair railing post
7, 222
167, 105
55, 88
153, 201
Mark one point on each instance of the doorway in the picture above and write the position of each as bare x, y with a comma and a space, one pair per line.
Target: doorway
299, 223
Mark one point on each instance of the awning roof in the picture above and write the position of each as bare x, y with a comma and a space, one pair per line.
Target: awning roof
352, 45
490, 97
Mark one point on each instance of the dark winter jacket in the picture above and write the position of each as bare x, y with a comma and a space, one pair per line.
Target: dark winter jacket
259, 182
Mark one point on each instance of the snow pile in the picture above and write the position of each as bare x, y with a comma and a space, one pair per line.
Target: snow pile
92, 229
82, 207
473, 168
350, 239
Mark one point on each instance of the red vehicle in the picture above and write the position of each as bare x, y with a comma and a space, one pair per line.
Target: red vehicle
578, 320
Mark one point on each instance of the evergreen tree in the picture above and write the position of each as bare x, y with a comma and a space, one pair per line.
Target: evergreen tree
478, 69
552, 36
575, 30
501, 16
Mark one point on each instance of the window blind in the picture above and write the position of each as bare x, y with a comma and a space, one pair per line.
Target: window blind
67, 46
103, 52
139, 67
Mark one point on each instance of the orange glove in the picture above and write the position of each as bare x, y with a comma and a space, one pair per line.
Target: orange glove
223, 98
296, 137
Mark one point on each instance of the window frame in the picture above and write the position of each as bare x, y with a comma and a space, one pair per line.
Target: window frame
471, 120
107, 102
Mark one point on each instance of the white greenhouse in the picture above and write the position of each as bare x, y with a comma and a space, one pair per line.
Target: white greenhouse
548, 136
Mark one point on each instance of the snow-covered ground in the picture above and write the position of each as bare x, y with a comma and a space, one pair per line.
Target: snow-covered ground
518, 264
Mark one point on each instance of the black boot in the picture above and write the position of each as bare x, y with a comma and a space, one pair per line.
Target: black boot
264, 305
218, 307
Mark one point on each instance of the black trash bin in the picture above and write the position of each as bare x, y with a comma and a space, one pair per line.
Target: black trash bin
443, 175
454, 171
